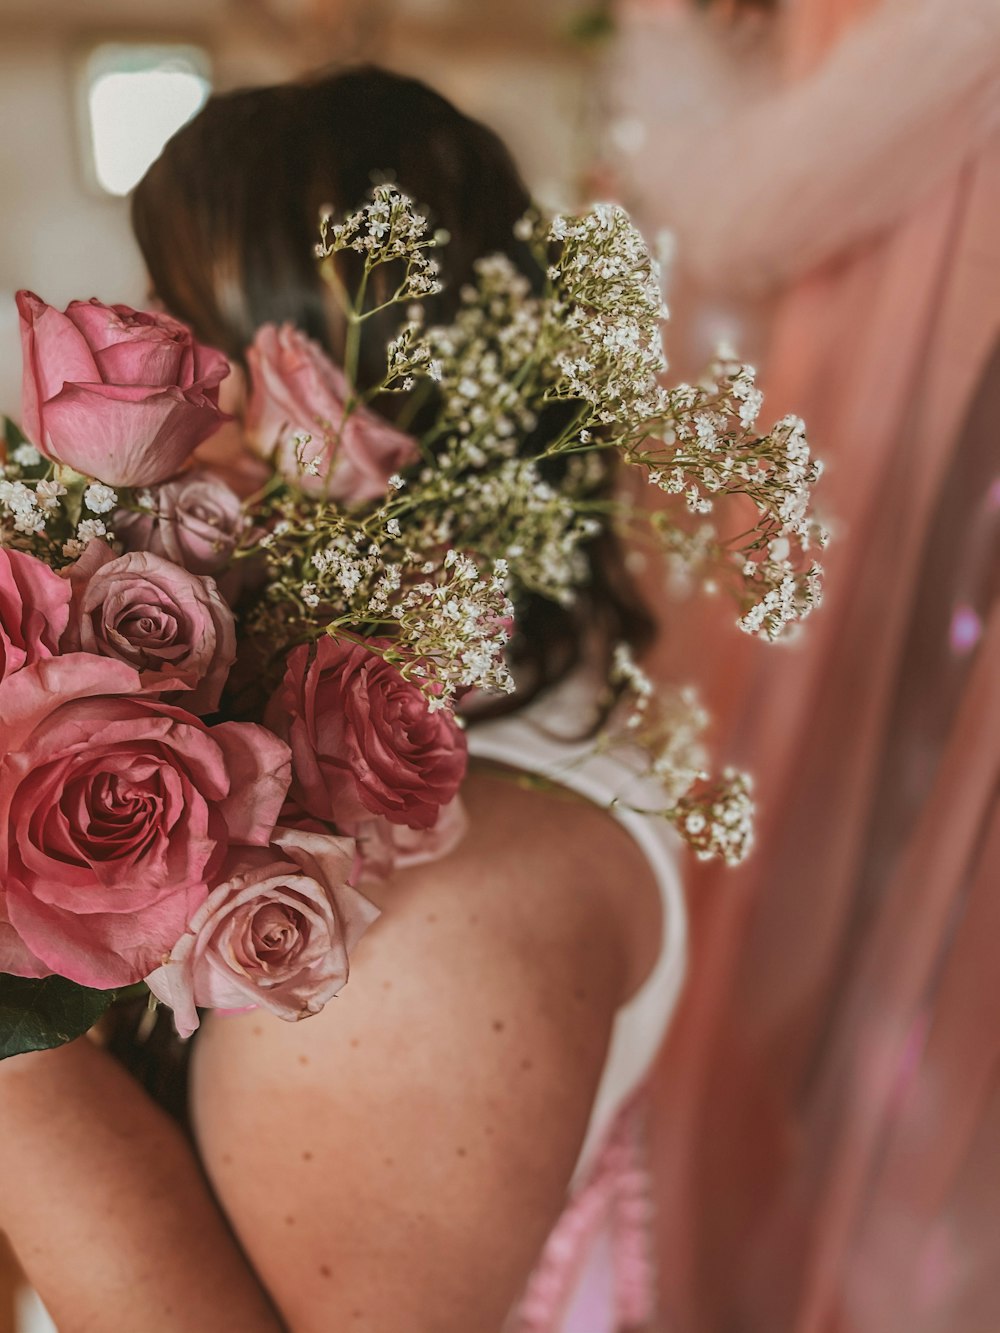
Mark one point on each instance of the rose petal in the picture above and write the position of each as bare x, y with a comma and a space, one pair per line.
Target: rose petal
144, 436
53, 352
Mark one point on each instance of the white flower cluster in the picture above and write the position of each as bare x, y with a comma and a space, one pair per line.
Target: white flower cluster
689, 552
628, 675
21, 509
541, 381
508, 512
455, 628
714, 818
87, 530
349, 568
719, 823
422, 603
668, 725
408, 355
100, 499
387, 228
44, 514
707, 454
26, 456
482, 363
606, 318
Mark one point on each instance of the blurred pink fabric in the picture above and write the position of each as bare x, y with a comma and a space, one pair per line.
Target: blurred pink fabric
828, 1153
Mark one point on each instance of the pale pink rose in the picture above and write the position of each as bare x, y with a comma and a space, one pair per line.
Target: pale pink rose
275, 932
34, 609
118, 394
116, 813
297, 390
157, 617
384, 847
364, 742
196, 521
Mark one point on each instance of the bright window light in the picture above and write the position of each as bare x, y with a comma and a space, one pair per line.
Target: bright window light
137, 96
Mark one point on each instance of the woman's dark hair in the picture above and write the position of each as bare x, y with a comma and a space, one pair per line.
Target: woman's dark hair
228, 217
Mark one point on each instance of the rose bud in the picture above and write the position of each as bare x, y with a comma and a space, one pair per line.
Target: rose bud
118, 394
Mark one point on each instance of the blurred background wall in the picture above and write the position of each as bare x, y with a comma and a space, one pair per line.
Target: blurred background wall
524, 66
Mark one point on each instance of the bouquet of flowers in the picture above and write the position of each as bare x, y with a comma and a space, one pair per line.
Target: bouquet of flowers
221, 712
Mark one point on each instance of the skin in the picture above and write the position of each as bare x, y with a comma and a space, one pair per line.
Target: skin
395, 1162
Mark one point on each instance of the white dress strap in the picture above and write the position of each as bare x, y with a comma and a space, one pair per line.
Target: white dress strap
607, 779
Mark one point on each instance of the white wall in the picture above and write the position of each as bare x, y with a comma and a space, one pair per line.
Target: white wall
58, 235
55, 237
63, 240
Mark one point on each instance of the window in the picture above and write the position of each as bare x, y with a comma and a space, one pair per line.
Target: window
134, 97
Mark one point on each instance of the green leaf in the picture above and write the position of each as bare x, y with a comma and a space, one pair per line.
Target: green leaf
38, 1013
593, 25
13, 435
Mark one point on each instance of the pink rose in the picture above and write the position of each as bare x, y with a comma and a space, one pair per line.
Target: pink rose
364, 741
196, 521
155, 616
116, 812
384, 847
297, 390
34, 609
275, 932
118, 394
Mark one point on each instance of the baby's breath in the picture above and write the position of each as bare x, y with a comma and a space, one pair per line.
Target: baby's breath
388, 228
48, 510
526, 396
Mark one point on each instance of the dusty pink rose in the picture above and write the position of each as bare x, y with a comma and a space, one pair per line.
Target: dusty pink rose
384, 847
116, 812
276, 932
157, 617
34, 609
364, 742
119, 394
297, 390
196, 521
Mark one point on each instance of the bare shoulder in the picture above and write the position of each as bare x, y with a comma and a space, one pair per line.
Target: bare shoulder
397, 1161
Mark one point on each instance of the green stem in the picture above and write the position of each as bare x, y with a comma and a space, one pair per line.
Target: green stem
352, 346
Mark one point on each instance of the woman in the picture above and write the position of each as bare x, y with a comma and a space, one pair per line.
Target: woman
399, 1161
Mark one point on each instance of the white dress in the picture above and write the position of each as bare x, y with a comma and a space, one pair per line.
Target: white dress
580, 1286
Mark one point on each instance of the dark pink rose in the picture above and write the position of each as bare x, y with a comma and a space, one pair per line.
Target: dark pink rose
154, 615
296, 390
116, 813
196, 521
119, 394
34, 609
275, 932
364, 741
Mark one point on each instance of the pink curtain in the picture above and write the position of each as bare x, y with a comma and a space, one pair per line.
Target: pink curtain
829, 1103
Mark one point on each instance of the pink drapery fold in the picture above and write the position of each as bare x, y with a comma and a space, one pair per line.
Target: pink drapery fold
882, 102
596, 1274
825, 1107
